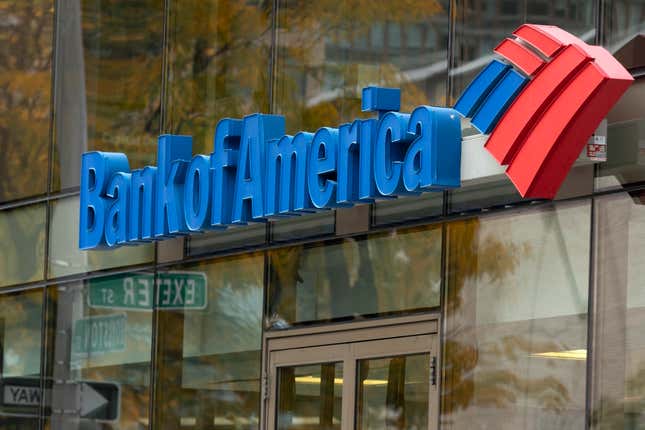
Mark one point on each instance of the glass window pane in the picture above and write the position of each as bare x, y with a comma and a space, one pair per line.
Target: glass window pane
516, 319
99, 359
65, 258
109, 96
22, 235
414, 35
25, 67
625, 140
219, 54
624, 23
208, 371
393, 393
20, 348
325, 55
310, 397
348, 277
619, 348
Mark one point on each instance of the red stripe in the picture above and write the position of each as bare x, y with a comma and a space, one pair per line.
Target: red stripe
540, 38
519, 56
557, 139
509, 135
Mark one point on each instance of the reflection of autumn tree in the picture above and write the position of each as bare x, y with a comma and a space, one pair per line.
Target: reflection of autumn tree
25, 64
219, 60
25, 70
218, 63
120, 65
484, 372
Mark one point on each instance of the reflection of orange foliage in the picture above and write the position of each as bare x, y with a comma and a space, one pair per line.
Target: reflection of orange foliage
25, 62
122, 49
481, 369
458, 367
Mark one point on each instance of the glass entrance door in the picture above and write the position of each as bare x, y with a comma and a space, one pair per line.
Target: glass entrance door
371, 377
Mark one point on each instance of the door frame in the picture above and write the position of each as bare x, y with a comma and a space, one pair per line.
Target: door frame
348, 342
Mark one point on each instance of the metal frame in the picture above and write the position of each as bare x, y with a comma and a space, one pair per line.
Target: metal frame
348, 343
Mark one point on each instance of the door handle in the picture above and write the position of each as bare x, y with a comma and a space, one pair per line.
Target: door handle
433, 370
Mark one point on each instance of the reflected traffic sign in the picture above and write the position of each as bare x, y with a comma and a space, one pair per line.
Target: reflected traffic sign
95, 400
21, 392
175, 290
99, 334
100, 400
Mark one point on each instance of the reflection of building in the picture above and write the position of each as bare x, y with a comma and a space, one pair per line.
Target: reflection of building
467, 309
344, 56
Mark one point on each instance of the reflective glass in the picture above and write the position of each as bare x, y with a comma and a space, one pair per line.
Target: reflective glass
516, 319
327, 51
384, 273
25, 70
109, 96
209, 339
100, 337
218, 65
619, 348
20, 349
65, 258
393, 393
22, 235
625, 141
310, 397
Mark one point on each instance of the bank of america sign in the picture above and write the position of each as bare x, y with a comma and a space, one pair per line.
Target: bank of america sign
537, 105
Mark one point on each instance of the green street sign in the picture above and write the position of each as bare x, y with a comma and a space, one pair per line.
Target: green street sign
175, 290
99, 334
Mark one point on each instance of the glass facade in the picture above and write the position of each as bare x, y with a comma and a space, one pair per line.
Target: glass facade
516, 305
619, 365
208, 369
100, 331
108, 96
25, 93
540, 303
345, 278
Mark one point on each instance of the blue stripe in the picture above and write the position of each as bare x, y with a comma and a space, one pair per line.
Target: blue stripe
476, 92
498, 101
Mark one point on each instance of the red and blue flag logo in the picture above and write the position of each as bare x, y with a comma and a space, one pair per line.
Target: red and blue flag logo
541, 102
